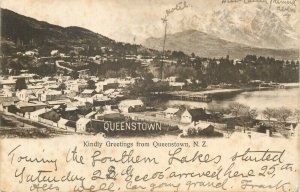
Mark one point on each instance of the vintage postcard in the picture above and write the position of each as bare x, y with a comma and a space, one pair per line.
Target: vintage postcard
149, 95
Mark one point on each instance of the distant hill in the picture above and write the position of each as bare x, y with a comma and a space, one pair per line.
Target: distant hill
205, 45
255, 25
21, 32
252, 24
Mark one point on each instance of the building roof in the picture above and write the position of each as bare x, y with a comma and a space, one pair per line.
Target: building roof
171, 110
197, 112
8, 82
30, 104
71, 124
75, 104
83, 121
53, 92
71, 108
129, 103
40, 111
90, 114
109, 91
201, 125
113, 116
59, 102
98, 96
102, 99
8, 99
186, 113
62, 121
6, 104
108, 112
35, 87
88, 91
27, 91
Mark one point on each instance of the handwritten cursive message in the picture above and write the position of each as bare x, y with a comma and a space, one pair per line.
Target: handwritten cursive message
178, 7
285, 6
111, 166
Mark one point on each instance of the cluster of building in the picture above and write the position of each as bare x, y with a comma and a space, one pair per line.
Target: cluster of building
53, 100
70, 104
81, 106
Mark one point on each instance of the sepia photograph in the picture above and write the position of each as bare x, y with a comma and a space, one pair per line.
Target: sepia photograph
115, 73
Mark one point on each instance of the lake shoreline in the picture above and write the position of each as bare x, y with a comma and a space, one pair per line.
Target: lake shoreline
216, 93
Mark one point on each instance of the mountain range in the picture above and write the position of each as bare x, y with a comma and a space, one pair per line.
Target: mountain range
202, 38
255, 26
206, 45
235, 30
18, 30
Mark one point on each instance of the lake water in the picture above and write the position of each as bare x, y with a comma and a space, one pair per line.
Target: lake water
259, 100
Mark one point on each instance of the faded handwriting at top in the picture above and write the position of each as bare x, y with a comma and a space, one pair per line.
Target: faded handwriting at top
245, 1
179, 6
284, 6
270, 3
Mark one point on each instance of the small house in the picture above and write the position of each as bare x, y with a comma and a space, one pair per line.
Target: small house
88, 93
5, 102
29, 106
170, 112
35, 114
190, 115
126, 104
186, 117
50, 115
82, 124
62, 123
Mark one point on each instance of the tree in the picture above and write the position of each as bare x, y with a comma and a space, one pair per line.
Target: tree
74, 74
268, 113
238, 109
16, 67
91, 84
62, 86
282, 114
252, 114
65, 72
4, 63
123, 72
20, 84
146, 86
297, 115
111, 74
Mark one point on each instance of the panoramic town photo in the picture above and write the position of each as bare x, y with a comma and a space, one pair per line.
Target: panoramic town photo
155, 69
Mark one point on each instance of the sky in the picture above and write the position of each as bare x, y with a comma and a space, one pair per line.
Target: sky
106, 17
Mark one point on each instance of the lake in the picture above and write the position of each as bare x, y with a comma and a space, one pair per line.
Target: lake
259, 99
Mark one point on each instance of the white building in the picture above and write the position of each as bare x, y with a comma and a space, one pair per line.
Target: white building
186, 117
31, 53
51, 95
170, 112
35, 114
24, 94
171, 79
62, 123
125, 104
54, 53
82, 124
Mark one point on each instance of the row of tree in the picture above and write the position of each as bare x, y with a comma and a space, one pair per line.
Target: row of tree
280, 114
226, 70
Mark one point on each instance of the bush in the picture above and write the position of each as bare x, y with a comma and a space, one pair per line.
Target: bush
192, 132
